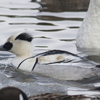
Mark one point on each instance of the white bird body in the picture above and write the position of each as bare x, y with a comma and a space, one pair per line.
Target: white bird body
27, 65
52, 63
88, 37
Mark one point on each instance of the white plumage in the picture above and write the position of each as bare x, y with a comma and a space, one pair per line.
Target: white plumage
88, 37
53, 63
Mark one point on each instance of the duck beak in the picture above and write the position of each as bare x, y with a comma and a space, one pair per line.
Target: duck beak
2, 49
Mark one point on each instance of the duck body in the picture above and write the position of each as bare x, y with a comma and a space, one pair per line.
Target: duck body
88, 37
53, 63
54, 96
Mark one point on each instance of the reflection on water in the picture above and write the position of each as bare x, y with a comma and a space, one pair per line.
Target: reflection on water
54, 18
64, 5
94, 58
51, 30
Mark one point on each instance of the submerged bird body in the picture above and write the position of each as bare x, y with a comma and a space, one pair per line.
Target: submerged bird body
88, 37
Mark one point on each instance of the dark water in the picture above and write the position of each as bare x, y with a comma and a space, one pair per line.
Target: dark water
51, 30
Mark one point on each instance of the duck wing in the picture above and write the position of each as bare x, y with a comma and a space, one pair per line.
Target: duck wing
57, 56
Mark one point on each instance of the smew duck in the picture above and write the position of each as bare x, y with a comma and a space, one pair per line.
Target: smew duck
52, 63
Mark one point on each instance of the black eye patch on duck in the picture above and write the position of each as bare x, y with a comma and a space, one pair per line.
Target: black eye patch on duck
24, 36
8, 46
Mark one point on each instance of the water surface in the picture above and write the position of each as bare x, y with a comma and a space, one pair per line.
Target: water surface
51, 30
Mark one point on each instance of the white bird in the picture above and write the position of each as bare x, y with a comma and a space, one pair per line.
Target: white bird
88, 37
47, 63
21, 45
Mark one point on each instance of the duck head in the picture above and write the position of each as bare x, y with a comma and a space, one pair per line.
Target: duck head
12, 93
20, 45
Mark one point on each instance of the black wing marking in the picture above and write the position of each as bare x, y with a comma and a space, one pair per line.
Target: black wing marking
52, 52
27, 59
